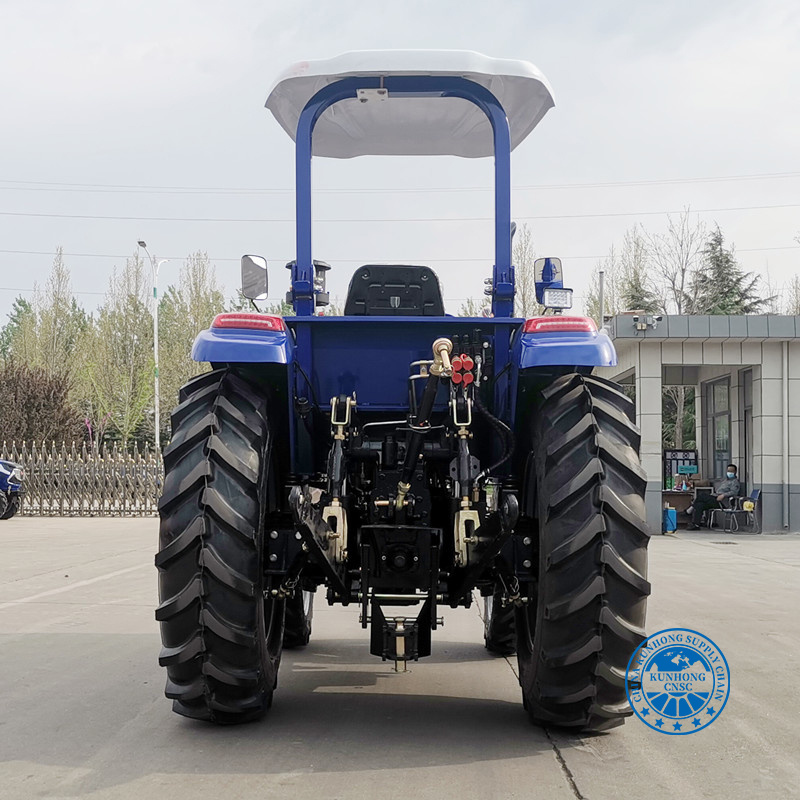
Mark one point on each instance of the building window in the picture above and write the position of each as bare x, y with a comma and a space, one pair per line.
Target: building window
719, 425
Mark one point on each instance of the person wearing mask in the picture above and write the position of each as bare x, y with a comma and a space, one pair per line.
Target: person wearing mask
724, 490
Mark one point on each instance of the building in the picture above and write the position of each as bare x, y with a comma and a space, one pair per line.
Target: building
746, 375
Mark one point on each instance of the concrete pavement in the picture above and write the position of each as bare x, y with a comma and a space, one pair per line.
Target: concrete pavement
82, 712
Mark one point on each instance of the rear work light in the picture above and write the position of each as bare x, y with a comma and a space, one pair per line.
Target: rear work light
559, 324
258, 322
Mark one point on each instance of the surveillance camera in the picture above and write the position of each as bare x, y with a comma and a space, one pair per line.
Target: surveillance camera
657, 318
635, 317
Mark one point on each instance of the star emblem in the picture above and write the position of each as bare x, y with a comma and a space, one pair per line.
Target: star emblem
710, 711
677, 726
696, 722
659, 723
645, 712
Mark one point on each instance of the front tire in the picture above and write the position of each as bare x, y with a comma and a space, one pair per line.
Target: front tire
221, 630
299, 613
499, 628
586, 614
11, 508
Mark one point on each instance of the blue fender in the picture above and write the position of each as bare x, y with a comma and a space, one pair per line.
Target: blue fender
243, 346
564, 348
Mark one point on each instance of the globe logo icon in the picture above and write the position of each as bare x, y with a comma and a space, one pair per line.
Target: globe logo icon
677, 681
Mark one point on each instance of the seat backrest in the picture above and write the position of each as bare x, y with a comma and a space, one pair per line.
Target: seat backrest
380, 290
755, 494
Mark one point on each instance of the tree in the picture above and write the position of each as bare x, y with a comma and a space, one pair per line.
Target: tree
612, 299
774, 296
720, 285
334, 309
120, 371
523, 257
627, 284
279, 308
21, 327
61, 322
675, 256
678, 404
35, 405
475, 308
637, 290
48, 331
184, 311
792, 297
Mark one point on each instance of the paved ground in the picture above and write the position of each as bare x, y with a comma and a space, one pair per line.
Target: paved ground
82, 712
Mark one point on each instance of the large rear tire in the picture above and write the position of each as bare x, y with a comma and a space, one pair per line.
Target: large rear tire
221, 631
586, 614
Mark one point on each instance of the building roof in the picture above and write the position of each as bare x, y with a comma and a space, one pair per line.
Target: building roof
411, 125
705, 327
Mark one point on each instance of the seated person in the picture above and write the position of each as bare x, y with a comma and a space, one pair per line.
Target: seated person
728, 488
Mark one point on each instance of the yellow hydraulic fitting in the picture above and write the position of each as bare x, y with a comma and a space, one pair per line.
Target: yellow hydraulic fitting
402, 490
441, 357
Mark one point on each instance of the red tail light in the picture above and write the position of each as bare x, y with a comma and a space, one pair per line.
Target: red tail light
559, 324
259, 322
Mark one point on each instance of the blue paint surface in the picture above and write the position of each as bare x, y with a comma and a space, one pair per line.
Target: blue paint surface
573, 349
243, 346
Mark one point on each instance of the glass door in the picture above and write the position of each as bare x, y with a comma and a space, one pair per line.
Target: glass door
719, 426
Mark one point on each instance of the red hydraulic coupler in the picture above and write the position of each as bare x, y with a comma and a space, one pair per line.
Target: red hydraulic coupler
462, 366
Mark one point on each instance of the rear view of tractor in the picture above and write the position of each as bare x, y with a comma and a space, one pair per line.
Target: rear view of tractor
399, 460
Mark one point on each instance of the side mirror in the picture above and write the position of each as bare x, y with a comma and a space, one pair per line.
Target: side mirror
547, 275
254, 277
547, 270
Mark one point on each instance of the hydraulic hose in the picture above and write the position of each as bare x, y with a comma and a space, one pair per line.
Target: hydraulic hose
502, 429
441, 366
421, 421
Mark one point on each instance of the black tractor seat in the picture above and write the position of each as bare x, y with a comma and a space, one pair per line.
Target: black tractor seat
389, 290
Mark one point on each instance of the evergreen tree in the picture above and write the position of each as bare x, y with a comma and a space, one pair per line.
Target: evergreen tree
720, 285
21, 319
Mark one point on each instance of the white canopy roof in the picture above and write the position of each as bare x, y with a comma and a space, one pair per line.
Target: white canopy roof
411, 125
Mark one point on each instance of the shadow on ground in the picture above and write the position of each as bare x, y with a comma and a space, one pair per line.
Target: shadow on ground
94, 704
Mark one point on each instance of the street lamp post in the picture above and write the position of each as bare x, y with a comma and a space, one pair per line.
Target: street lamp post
155, 266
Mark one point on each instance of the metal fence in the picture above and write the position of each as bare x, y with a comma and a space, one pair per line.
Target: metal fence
79, 480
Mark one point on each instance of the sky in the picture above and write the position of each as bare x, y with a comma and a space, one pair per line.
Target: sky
156, 109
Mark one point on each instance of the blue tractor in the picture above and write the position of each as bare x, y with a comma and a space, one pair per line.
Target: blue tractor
404, 459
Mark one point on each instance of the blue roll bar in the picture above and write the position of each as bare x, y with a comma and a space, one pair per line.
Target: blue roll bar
406, 86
